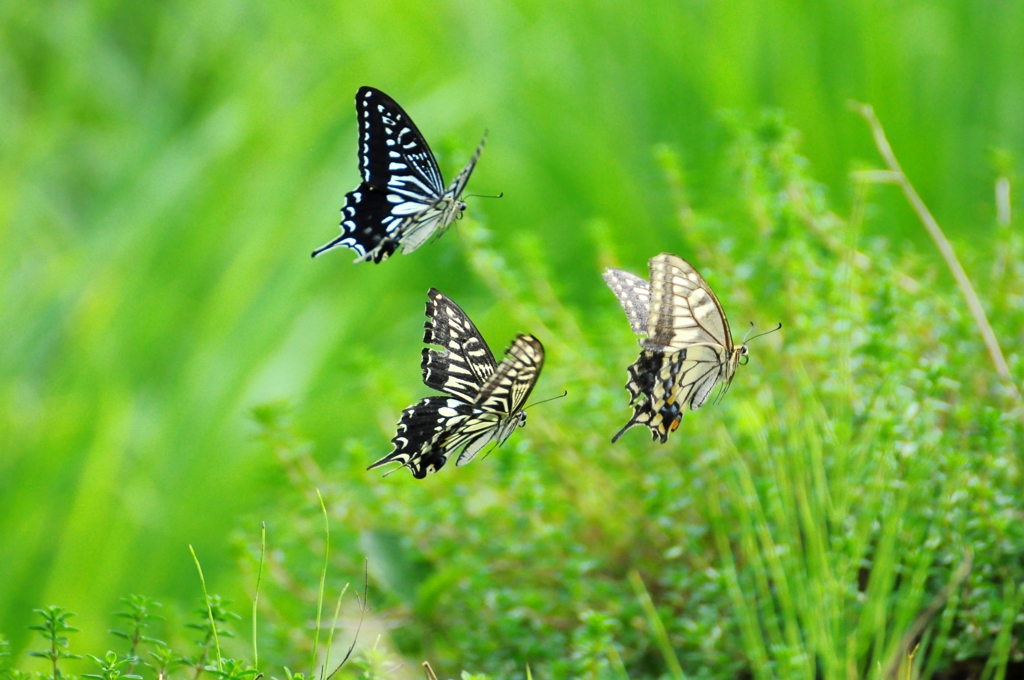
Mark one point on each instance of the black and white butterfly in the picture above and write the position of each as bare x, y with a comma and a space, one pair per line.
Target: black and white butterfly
484, 399
402, 200
688, 349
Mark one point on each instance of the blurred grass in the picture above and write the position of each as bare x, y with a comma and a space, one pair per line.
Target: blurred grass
165, 170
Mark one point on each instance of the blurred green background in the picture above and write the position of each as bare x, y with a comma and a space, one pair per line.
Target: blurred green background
166, 168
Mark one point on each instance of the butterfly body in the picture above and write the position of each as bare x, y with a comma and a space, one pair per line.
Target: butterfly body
484, 399
402, 200
688, 349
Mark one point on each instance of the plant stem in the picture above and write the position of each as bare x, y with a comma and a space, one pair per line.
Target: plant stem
209, 611
323, 578
53, 653
897, 176
256, 597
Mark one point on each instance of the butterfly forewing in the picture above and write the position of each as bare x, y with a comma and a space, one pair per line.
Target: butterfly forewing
402, 200
502, 397
461, 368
508, 388
634, 295
391, 147
683, 309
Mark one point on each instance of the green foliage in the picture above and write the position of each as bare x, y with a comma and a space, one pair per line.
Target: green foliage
166, 170
374, 663
166, 663
235, 669
799, 528
163, 661
113, 667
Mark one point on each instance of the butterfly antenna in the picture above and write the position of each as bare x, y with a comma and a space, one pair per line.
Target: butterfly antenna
779, 327
484, 195
393, 470
544, 401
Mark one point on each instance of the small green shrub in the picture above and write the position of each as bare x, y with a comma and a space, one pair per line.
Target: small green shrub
162, 662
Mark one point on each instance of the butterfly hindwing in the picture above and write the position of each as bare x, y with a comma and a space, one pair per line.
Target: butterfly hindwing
661, 384
402, 200
364, 223
421, 444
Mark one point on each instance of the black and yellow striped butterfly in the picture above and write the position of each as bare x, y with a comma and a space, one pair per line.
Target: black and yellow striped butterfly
484, 401
688, 349
402, 200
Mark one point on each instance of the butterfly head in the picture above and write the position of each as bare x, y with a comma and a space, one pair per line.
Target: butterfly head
509, 426
740, 354
451, 209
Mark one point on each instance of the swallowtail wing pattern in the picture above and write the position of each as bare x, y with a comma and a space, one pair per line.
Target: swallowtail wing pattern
483, 400
688, 348
402, 200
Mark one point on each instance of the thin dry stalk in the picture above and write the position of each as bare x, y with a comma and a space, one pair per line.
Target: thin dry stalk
896, 176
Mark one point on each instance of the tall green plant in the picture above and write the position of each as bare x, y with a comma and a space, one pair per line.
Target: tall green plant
54, 630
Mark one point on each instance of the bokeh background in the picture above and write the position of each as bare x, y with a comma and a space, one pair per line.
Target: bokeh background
166, 168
